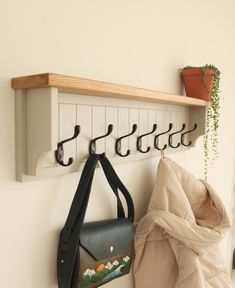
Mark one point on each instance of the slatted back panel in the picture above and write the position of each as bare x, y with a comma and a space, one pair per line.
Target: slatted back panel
94, 114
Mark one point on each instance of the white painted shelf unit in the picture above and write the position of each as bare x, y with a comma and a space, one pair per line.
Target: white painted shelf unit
49, 105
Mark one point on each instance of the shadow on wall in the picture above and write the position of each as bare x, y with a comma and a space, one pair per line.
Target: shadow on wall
142, 195
233, 218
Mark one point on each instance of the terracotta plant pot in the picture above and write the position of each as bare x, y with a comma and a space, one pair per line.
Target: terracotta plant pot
196, 84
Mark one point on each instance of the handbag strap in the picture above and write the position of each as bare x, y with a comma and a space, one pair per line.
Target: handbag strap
81, 197
113, 178
68, 245
69, 237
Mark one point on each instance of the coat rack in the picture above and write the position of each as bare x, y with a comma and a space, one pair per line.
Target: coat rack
71, 116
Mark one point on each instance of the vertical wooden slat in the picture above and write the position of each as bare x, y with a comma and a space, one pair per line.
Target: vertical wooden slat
84, 120
99, 127
151, 121
134, 119
161, 127
123, 120
111, 118
143, 126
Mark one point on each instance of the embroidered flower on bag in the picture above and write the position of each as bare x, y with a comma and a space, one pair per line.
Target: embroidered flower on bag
126, 259
89, 272
115, 263
109, 266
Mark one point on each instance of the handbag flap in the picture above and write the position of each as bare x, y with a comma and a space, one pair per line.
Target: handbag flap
107, 238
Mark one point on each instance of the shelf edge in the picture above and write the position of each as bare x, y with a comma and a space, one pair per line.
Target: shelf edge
76, 85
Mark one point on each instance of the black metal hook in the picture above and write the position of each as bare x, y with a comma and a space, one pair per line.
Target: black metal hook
118, 142
92, 145
139, 140
156, 138
182, 139
59, 153
170, 139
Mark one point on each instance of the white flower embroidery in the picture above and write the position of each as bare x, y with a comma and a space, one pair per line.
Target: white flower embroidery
87, 272
115, 263
93, 272
109, 266
126, 259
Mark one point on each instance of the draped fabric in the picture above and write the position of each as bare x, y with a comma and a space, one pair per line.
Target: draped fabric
176, 242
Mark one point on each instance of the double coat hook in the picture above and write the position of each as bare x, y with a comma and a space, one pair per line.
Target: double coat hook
156, 138
92, 146
139, 140
59, 153
118, 145
183, 136
170, 139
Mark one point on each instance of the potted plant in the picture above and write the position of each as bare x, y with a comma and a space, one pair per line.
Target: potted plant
203, 83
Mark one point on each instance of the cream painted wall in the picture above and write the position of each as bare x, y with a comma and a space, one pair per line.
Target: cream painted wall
140, 43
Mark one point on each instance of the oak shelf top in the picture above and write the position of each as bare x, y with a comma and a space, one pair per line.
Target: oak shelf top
76, 85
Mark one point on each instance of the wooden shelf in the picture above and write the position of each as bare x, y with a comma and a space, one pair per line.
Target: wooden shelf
76, 85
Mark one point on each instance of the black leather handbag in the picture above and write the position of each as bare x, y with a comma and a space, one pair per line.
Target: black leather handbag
94, 253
